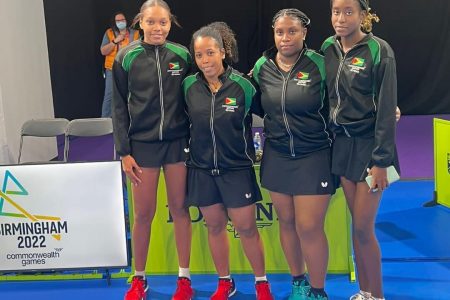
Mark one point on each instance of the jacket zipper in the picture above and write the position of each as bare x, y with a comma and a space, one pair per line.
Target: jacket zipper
283, 108
211, 126
161, 95
341, 64
283, 102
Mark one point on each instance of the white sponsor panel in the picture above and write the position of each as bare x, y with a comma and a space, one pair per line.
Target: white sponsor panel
62, 216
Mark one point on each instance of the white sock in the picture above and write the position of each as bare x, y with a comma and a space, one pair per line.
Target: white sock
184, 272
262, 278
225, 277
373, 298
139, 273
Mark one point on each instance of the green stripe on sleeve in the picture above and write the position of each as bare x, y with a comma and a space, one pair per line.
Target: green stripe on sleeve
130, 56
188, 82
320, 62
257, 68
247, 86
374, 47
327, 43
180, 51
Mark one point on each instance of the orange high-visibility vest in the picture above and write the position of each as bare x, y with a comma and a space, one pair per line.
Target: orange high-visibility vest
109, 59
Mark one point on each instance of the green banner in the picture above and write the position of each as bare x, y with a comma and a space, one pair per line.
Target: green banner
442, 161
162, 257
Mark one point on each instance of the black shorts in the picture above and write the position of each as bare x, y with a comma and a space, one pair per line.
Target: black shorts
231, 188
157, 154
353, 155
309, 175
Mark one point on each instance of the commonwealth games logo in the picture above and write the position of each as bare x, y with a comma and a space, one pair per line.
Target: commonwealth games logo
29, 224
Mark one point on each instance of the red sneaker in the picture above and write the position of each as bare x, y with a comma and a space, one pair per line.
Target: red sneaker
225, 289
263, 291
184, 290
138, 289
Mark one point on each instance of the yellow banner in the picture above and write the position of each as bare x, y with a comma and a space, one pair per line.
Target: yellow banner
162, 256
442, 161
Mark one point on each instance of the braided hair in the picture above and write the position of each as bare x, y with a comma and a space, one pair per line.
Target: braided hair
292, 13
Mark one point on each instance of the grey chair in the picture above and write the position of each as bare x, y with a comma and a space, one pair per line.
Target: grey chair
42, 128
91, 127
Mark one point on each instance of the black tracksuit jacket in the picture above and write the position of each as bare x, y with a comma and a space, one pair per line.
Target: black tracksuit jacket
362, 90
220, 123
148, 103
295, 104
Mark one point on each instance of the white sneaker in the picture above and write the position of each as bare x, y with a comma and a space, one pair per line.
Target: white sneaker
360, 296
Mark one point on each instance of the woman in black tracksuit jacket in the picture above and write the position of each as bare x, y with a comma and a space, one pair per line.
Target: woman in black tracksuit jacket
362, 88
296, 166
221, 178
150, 132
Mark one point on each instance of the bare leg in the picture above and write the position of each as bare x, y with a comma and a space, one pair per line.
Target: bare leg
310, 214
144, 198
290, 242
243, 219
175, 175
363, 207
216, 221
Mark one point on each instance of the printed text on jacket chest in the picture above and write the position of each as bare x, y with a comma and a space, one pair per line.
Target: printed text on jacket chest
302, 78
357, 64
174, 68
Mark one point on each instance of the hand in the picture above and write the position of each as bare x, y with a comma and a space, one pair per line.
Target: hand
119, 38
131, 168
379, 179
398, 114
250, 73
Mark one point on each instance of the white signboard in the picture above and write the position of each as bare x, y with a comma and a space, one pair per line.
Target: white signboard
62, 216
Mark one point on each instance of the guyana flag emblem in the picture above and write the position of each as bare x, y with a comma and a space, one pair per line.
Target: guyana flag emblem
302, 75
358, 62
230, 101
174, 66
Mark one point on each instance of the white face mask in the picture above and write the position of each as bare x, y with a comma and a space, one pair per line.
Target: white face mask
121, 25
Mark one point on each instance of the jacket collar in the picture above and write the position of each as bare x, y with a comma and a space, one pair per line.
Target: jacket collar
150, 46
272, 52
337, 40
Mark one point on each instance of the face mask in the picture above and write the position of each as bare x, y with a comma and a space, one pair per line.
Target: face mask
121, 25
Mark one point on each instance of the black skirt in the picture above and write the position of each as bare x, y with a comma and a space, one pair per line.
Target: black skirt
353, 155
308, 175
157, 154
